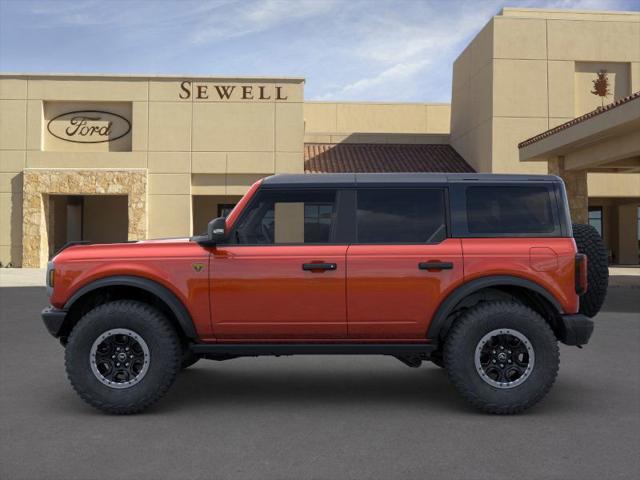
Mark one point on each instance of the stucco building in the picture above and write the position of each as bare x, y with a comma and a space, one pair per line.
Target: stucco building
114, 158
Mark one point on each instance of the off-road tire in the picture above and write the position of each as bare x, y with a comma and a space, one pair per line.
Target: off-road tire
164, 359
470, 328
590, 243
188, 358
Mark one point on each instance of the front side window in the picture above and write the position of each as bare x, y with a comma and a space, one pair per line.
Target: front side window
398, 215
509, 210
288, 217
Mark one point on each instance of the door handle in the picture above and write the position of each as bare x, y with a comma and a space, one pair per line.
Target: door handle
319, 266
435, 265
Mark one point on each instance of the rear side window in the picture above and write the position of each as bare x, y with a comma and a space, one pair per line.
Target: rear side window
401, 216
509, 210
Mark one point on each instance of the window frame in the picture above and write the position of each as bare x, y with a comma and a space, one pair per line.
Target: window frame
445, 205
460, 225
338, 230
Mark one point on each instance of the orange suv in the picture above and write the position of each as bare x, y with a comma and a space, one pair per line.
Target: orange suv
480, 274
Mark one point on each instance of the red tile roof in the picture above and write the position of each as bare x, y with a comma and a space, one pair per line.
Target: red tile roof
579, 119
378, 158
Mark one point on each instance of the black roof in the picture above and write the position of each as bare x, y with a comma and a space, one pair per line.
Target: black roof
353, 179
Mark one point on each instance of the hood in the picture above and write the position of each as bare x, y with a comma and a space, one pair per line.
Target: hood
137, 249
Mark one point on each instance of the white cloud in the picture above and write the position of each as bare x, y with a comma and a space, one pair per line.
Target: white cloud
389, 77
396, 50
245, 18
398, 47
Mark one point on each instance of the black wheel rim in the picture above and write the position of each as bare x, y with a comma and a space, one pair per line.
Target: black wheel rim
119, 358
504, 358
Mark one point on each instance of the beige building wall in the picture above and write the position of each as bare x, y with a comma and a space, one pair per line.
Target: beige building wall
368, 122
206, 136
471, 101
529, 70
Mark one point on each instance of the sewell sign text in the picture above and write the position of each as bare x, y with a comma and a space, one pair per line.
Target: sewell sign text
217, 92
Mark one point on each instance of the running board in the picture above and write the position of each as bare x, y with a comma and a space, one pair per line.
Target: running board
277, 349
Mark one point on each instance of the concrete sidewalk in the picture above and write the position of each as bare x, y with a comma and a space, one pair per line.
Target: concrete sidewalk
620, 276
22, 277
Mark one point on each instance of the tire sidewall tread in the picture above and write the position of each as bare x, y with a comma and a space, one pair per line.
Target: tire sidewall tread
459, 351
157, 332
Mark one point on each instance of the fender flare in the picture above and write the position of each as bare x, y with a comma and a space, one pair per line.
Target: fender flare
163, 293
441, 322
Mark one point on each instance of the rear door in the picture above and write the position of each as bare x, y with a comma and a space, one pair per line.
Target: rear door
402, 263
283, 276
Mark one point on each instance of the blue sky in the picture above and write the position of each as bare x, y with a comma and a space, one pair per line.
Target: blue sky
396, 50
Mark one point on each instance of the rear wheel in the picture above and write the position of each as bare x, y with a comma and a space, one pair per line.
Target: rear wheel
502, 357
122, 356
590, 243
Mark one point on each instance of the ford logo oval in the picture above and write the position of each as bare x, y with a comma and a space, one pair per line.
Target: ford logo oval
89, 126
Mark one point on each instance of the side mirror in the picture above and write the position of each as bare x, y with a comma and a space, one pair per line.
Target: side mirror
216, 230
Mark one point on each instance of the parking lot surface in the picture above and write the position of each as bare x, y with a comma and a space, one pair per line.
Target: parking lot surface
319, 417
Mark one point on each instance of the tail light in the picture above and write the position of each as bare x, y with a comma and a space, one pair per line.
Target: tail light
581, 274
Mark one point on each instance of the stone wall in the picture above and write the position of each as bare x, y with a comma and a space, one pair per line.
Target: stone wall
38, 184
577, 191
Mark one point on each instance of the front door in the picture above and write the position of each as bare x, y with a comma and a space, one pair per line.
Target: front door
282, 275
402, 264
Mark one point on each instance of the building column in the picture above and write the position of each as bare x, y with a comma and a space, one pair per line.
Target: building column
628, 234
576, 184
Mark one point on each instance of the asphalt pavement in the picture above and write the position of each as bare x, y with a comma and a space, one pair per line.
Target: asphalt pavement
319, 417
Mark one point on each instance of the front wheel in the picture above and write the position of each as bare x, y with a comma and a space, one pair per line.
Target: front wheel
122, 356
502, 357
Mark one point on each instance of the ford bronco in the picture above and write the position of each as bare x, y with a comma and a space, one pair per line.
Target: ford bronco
480, 274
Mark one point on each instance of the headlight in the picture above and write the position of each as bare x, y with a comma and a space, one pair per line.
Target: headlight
50, 278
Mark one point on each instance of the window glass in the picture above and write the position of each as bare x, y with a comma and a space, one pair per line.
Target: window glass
514, 209
401, 216
286, 217
595, 218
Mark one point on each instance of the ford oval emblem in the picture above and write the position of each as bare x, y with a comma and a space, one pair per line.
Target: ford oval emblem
89, 126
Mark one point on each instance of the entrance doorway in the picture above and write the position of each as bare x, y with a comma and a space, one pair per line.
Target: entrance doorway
618, 222
93, 218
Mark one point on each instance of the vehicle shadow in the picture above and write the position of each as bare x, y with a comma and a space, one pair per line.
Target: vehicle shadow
212, 384
209, 385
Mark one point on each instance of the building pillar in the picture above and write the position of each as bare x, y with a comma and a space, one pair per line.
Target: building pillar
577, 192
628, 234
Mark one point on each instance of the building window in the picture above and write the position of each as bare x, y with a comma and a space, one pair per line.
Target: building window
224, 209
595, 218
